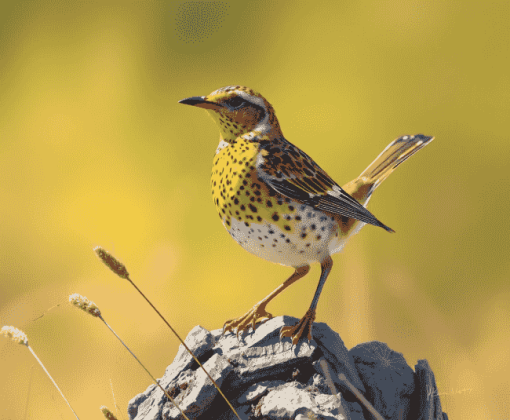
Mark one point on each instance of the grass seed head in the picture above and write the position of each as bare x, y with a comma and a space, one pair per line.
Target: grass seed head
84, 304
112, 263
15, 335
107, 413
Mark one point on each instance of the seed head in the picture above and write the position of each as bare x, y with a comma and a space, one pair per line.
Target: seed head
112, 263
15, 335
107, 413
84, 304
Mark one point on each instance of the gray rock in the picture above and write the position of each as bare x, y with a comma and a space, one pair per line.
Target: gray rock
318, 381
262, 356
244, 411
337, 355
388, 379
150, 404
354, 411
265, 378
350, 410
258, 390
199, 341
199, 391
136, 402
429, 403
288, 401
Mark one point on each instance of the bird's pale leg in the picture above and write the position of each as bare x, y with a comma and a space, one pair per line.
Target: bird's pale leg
258, 312
304, 326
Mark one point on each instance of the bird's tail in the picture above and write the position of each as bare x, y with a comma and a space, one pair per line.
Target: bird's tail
395, 153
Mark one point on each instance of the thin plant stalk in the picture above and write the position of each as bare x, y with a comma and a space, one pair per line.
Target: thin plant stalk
331, 385
20, 337
52, 380
187, 348
120, 269
115, 402
141, 364
360, 397
28, 392
352, 388
91, 308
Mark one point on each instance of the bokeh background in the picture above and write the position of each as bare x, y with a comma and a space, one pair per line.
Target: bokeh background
95, 150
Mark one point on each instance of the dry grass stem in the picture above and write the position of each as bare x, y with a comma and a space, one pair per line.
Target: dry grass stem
91, 308
117, 409
331, 385
360, 397
329, 381
120, 269
28, 391
20, 337
46, 311
146, 370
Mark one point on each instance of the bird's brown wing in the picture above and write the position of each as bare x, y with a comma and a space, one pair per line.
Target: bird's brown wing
294, 174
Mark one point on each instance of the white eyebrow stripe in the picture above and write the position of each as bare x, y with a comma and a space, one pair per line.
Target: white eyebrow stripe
253, 99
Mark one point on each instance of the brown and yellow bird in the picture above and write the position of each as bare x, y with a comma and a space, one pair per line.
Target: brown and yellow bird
277, 203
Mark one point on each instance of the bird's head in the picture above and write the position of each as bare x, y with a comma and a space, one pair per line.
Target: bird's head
238, 110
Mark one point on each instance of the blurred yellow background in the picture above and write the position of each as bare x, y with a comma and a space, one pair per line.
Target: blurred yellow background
95, 150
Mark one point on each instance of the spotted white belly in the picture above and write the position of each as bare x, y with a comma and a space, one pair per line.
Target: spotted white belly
314, 237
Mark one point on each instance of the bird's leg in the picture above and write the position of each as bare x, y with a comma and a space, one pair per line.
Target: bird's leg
258, 312
304, 326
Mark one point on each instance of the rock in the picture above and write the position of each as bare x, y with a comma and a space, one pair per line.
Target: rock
287, 401
198, 392
318, 381
388, 379
265, 378
256, 391
351, 410
337, 355
199, 341
137, 401
262, 356
429, 403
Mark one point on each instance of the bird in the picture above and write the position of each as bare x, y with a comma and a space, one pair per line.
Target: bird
278, 203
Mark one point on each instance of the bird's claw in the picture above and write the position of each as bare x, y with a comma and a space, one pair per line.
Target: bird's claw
296, 332
254, 316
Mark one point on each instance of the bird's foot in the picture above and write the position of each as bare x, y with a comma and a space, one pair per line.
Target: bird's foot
302, 328
254, 316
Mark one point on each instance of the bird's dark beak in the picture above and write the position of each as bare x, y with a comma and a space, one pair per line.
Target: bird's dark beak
194, 100
199, 101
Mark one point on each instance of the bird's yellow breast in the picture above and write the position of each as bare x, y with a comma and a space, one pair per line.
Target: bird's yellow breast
233, 167
237, 191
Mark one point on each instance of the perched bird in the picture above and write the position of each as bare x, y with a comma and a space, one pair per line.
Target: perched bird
277, 203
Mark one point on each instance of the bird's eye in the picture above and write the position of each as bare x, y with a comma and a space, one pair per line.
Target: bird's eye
236, 102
